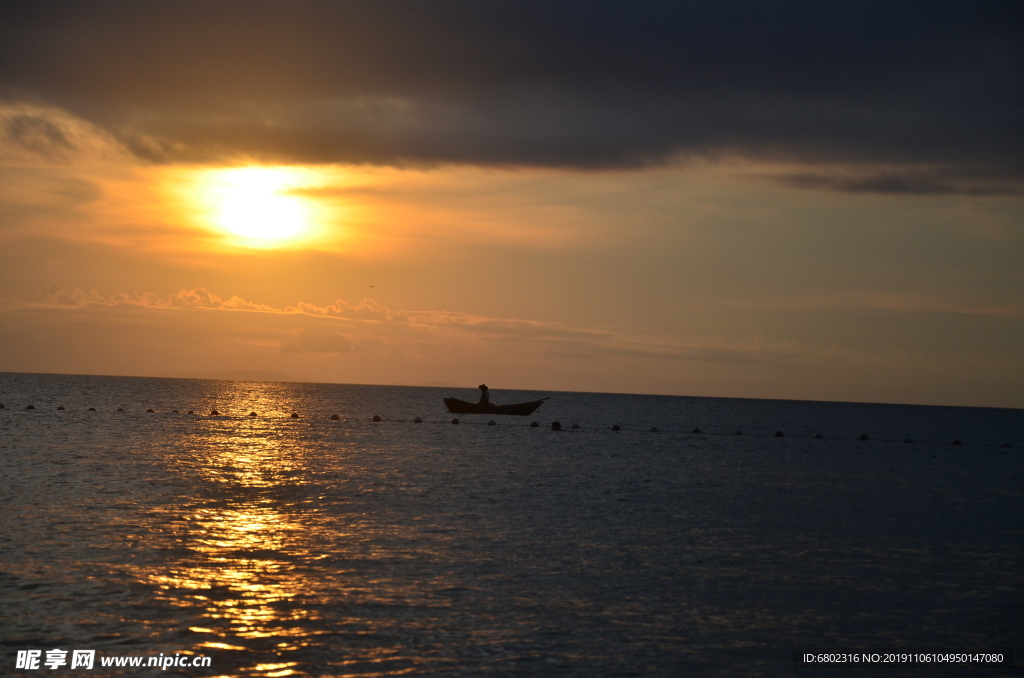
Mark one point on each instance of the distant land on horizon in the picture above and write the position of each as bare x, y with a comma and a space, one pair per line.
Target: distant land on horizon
270, 375
253, 375
236, 375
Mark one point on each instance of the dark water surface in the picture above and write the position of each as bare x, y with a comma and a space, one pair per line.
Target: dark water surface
291, 547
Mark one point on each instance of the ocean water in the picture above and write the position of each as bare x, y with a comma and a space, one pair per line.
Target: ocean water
280, 546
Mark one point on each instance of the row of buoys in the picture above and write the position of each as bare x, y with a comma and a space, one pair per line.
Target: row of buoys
555, 425
213, 413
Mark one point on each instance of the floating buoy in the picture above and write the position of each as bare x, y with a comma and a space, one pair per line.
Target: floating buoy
60, 407
191, 412
418, 420
864, 436
534, 425
818, 436
491, 422
575, 426
696, 430
779, 434
92, 409
120, 409
738, 432
295, 415
376, 417
616, 428
455, 421
956, 441
1006, 445
214, 413
151, 410
654, 429
335, 417
907, 440
556, 426
252, 414
31, 407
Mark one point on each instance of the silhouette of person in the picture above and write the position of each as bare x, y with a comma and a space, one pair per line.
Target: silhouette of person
485, 396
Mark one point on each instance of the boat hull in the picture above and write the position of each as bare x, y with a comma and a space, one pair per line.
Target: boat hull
456, 406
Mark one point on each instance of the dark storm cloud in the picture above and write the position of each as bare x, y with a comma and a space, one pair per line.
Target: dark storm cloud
581, 84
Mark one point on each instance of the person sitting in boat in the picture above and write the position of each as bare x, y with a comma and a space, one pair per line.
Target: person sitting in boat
485, 396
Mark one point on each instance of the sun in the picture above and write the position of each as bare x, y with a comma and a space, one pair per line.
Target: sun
258, 205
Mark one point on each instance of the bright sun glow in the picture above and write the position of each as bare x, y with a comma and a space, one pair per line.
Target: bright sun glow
254, 204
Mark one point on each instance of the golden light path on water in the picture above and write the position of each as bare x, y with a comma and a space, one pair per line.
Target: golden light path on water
242, 577
242, 573
270, 567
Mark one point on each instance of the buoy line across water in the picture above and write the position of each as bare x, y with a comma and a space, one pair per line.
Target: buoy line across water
578, 428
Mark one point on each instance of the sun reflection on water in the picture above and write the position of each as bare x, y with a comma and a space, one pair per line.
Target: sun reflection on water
272, 560
246, 539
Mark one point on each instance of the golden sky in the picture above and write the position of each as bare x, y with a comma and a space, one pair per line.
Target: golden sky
439, 247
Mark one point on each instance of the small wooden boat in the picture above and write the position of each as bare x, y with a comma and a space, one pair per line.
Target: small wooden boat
456, 406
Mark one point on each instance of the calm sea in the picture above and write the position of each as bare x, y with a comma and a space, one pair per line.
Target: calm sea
280, 546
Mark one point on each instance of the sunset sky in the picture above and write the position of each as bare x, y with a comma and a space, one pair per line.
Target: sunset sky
775, 200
